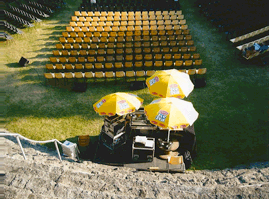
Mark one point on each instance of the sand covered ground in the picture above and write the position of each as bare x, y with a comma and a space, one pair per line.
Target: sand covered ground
42, 175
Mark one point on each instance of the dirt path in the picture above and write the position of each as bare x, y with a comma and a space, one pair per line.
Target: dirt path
42, 175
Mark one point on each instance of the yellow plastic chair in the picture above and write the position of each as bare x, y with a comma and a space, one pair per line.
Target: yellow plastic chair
72, 59
149, 73
53, 59
178, 63
69, 66
188, 63
120, 74
129, 57
89, 66
195, 56
158, 63
98, 65
56, 52
109, 74
184, 49
167, 56
192, 49
82, 59
138, 50
79, 75
197, 62
89, 75
59, 46
118, 65
138, 64
177, 56
49, 75
79, 66
128, 50
148, 57
59, 66
191, 71
100, 58
148, 63
175, 49
50, 66
147, 50
186, 56
108, 65
201, 71
99, 74
158, 56
175, 22
128, 64
156, 49
168, 63
84, 13
76, 46
63, 40
77, 13
69, 75
91, 59
140, 74
190, 43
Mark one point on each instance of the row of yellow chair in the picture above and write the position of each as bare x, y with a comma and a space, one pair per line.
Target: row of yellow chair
101, 46
137, 40
125, 28
119, 64
126, 13
147, 52
170, 33
112, 52
128, 33
77, 44
127, 23
128, 58
128, 18
117, 74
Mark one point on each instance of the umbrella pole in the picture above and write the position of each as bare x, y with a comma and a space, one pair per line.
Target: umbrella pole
168, 135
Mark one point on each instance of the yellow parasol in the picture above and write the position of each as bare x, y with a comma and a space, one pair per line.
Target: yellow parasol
170, 83
171, 113
117, 103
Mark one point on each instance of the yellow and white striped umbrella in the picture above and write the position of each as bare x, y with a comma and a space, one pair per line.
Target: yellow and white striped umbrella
170, 83
117, 103
171, 113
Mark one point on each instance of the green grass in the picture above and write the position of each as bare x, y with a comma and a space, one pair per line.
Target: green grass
232, 127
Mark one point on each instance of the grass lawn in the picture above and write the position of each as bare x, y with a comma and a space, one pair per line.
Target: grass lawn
232, 127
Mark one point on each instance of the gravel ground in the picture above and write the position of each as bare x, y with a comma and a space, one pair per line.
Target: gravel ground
42, 175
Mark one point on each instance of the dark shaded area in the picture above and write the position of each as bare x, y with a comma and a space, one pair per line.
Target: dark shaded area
137, 5
235, 17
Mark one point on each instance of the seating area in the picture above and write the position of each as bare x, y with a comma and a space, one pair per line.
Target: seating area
20, 14
242, 26
123, 44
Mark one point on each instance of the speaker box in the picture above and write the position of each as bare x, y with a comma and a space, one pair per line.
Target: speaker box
23, 61
137, 85
199, 83
80, 86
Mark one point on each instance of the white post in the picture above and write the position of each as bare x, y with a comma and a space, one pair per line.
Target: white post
19, 142
168, 135
56, 146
